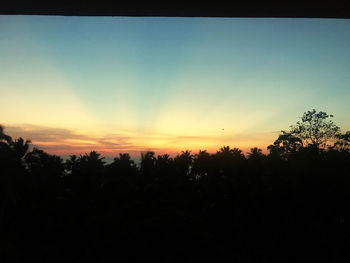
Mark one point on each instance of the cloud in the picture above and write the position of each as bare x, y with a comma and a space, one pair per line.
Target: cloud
65, 141
41, 133
59, 140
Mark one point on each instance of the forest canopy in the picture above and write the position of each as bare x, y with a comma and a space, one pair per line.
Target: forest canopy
227, 205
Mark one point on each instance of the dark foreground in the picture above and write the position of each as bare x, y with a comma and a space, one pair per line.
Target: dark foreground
291, 205
232, 208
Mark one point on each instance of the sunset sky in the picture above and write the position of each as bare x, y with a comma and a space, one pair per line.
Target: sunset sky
131, 84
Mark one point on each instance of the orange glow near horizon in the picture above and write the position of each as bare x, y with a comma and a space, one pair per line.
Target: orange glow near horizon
60, 141
114, 85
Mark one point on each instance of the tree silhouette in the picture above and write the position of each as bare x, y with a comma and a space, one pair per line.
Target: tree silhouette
315, 128
202, 164
71, 164
45, 171
123, 169
13, 178
183, 162
42, 162
148, 163
5, 148
220, 206
343, 142
164, 164
315, 132
3, 136
255, 154
285, 145
16, 149
20, 148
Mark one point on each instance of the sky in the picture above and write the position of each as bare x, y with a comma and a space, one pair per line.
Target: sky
132, 84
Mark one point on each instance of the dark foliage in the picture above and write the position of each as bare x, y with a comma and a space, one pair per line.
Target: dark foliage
290, 205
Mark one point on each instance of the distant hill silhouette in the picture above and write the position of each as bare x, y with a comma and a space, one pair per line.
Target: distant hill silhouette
290, 205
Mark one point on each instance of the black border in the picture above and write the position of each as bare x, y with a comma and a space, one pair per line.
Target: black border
212, 8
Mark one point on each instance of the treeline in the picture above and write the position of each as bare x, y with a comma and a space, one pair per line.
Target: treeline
289, 205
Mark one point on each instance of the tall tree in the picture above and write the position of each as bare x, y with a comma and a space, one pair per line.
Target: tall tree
315, 128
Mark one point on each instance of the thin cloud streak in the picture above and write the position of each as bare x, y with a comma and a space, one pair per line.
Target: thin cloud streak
64, 141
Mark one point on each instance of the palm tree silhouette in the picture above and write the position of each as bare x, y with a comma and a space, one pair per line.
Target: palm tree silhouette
20, 147
3, 136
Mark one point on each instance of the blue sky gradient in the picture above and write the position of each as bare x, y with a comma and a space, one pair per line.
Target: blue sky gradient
172, 78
